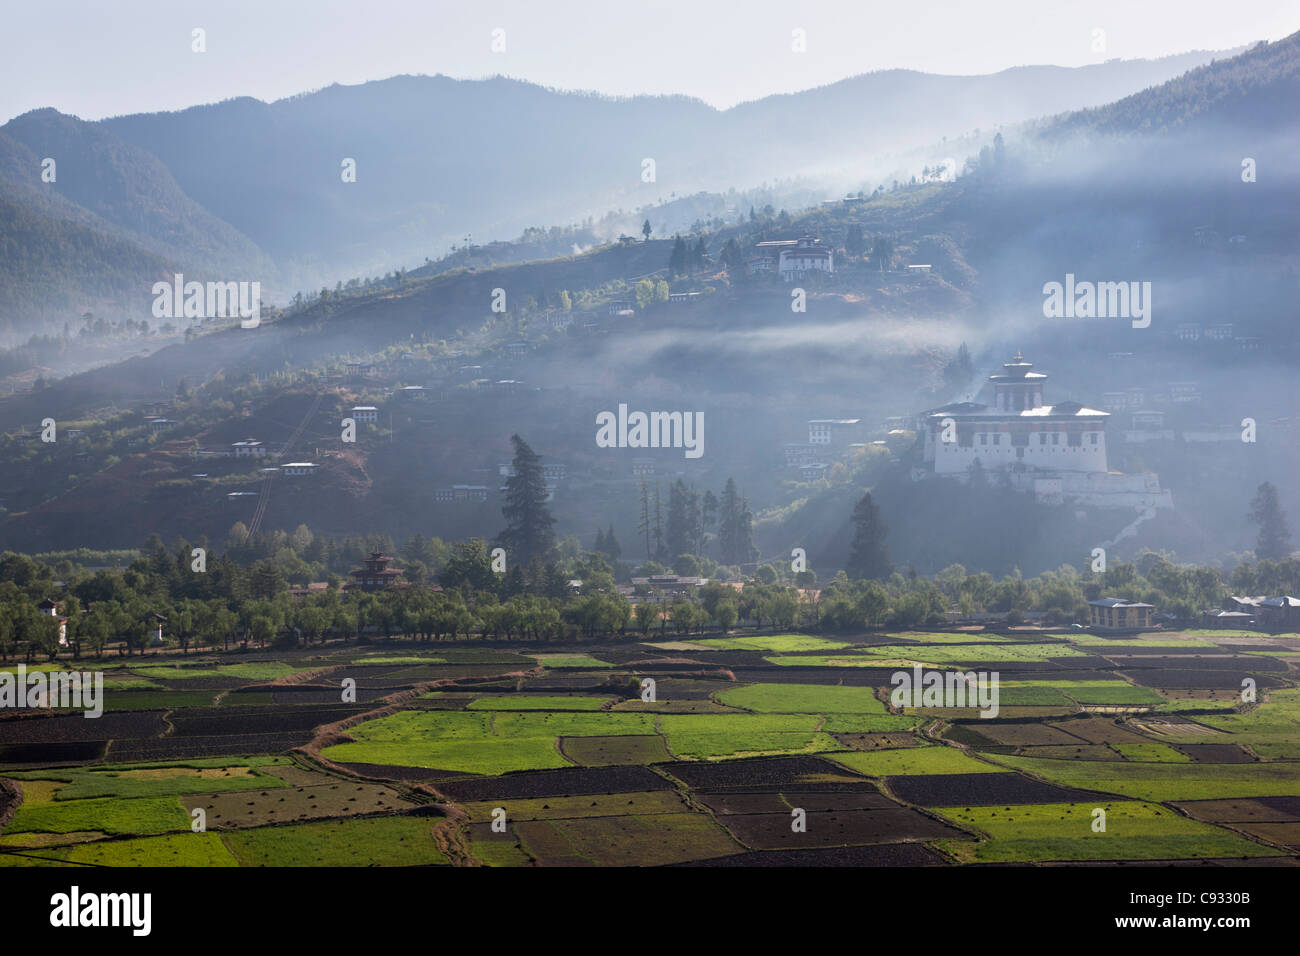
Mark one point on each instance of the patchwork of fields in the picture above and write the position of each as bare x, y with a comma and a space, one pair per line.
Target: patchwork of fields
751, 750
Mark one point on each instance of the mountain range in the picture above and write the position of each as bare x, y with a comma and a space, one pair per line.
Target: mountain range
244, 189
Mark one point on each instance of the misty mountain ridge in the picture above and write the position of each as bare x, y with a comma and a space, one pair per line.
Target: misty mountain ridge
242, 187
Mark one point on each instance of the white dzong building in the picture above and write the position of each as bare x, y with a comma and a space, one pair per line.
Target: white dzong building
1056, 451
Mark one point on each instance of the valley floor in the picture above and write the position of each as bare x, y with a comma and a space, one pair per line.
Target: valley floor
744, 750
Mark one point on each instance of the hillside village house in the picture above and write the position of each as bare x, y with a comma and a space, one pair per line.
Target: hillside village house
671, 584
833, 431
1149, 419
1280, 613
248, 448
792, 258
797, 453
1212, 433
1116, 614
51, 609
476, 493
1246, 604
365, 414
375, 574
807, 256
297, 469
1226, 619
362, 370
161, 424
1148, 426
312, 588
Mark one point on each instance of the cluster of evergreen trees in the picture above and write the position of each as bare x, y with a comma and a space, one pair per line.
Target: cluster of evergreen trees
686, 258
694, 521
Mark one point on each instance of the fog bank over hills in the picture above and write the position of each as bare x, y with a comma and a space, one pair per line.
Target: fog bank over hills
252, 190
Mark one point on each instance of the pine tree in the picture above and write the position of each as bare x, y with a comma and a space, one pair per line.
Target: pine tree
677, 260
530, 528
855, 242
882, 251
868, 558
611, 546
1274, 540
735, 527
679, 530
728, 522
661, 554
731, 257
643, 525
599, 547
745, 539
267, 581
694, 522
958, 373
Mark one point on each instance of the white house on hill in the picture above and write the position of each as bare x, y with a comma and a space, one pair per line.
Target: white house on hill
792, 258
806, 255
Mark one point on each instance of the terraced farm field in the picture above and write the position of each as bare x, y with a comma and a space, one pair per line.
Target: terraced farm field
754, 750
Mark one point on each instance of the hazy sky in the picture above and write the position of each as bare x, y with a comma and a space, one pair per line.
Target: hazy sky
94, 58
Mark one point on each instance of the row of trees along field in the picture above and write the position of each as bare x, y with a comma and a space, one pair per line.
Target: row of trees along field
243, 596
243, 605
535, 602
